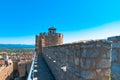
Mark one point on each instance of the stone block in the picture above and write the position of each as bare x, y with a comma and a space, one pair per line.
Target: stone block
103, 63
85, 63
88, 75
116, 45
115, 71
90, 52
114, 55
103, 72
77, 61
70, 60
104, 52
77, 53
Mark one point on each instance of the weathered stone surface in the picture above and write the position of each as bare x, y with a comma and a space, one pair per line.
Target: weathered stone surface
24, 67
88, 74
6, 73
115, 71
103, 63
116, 45
115, 55
85, 63
77, 61
83, 60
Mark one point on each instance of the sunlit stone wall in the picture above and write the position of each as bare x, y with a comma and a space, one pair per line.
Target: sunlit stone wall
5, 73
86, 60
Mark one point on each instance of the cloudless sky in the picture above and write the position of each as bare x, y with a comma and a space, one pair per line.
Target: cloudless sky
21, 20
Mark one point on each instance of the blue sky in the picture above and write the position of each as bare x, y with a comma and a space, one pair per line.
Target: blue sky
21, 20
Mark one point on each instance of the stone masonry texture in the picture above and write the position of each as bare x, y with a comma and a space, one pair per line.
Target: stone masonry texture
6, 72
115, 57
23, 68
48, 39
89, 60
85, 60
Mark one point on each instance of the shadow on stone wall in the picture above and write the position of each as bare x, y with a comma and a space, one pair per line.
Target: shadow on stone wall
24, 68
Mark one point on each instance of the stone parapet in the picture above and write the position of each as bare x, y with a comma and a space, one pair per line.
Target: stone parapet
24, 67
86, 60
6, 72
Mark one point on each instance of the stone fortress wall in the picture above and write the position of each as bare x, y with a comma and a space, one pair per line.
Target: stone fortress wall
79, 61
23, 68
6, 73
115, 57
85, 60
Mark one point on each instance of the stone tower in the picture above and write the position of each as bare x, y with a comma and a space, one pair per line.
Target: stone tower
48, 39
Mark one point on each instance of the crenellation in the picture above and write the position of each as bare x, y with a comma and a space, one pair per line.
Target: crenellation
48, 39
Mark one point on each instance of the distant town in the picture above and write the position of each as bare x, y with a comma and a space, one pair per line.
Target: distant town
13, 59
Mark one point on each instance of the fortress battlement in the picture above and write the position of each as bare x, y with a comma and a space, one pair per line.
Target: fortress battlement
48, 39
71, 61
44, 34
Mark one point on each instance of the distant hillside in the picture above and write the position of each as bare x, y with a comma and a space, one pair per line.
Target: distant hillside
16, 46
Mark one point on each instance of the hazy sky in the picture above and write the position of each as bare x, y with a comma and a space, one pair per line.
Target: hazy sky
21, 20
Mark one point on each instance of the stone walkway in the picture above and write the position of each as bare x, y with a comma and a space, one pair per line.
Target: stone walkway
41, 70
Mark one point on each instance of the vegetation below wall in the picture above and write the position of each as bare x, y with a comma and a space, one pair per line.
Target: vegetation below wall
14, 50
